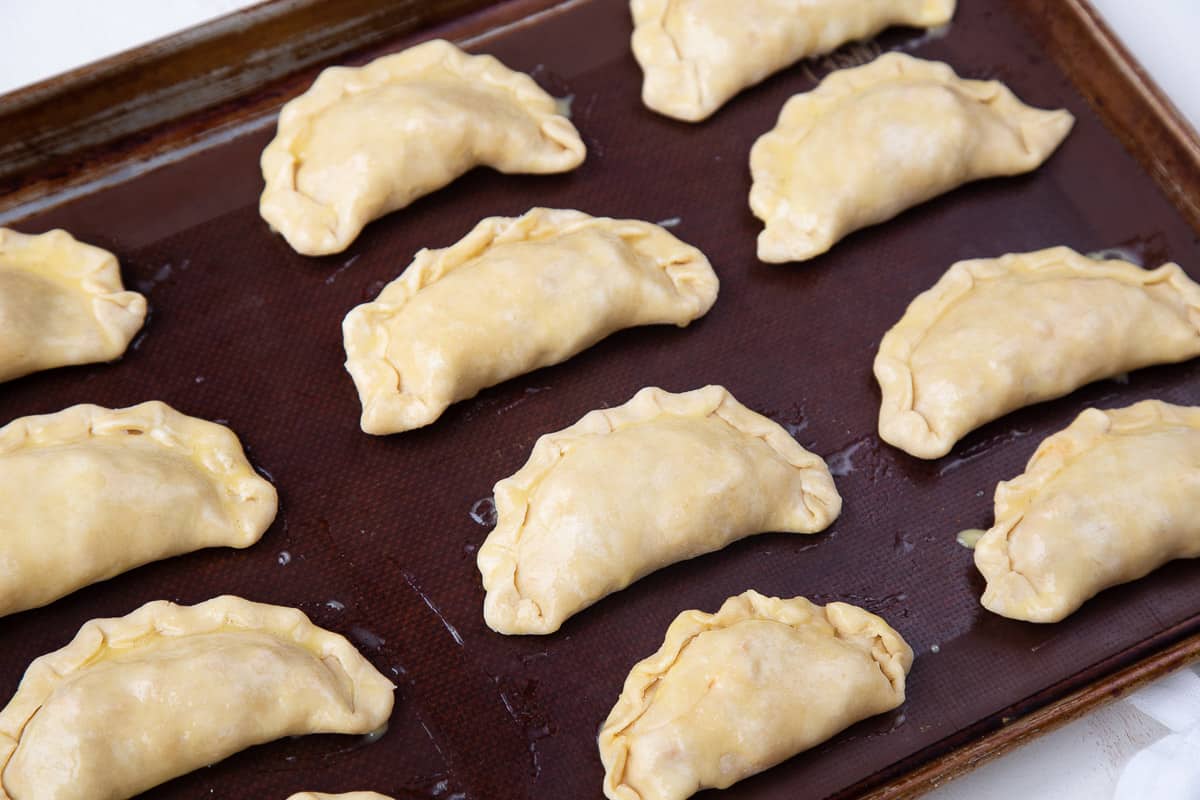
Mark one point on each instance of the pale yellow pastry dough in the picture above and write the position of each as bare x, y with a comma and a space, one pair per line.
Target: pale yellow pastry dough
628, 490
513, 295
1109, 499
734, 693
134, 701
61, 303
994, 335
343, 796
697, 54
88, 493
363, 142
872, 141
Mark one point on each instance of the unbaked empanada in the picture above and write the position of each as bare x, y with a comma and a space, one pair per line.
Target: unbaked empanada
697, 54
628, 490
994, 335
513, 295
362, 142
61, 303
134, 701
872, 141
734, 693
1109, 499
88, 493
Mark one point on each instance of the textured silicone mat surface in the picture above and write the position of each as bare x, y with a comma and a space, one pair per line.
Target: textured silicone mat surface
376, 537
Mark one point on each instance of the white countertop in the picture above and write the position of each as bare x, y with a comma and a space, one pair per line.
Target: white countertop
1081, 761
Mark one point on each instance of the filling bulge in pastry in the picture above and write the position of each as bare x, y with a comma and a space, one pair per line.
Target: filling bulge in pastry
873, 141
628, 490
1107, 500
61, 303
733, 693
513, 295
697, 54
88, 493
994, 335
366, 141
134, 701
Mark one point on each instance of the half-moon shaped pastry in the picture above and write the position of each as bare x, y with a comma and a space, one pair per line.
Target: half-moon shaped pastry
513, 295
734, 693
873, 141
697, 54
61, 303
363, 142
994, 335
1107, 500
137, 700
88, 493
628, 490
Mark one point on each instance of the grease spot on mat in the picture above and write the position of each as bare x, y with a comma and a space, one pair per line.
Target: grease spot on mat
483, 512
842, 462
367, 638
453, 631
977, 451
333, 276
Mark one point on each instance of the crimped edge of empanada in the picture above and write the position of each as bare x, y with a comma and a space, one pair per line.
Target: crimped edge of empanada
118, 313
900, 424
506, 610
386, 407
1009, 592
320, 231
370, 699
249, 499
872, 634
671, 83
1041, 130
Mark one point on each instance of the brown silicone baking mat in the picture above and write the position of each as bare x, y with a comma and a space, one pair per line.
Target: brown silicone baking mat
376, 537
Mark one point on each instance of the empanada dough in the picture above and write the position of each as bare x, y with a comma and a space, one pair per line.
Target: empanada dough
697, 54
513, 295
731, 694
134, 701
1109, 499
61, 303
88, 493
872, 141
995, 335
363, 142
628, 490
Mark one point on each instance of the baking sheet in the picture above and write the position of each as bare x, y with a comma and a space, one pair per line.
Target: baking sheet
376, 537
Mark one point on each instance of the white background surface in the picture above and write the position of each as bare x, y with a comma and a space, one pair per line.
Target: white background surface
1082, 761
